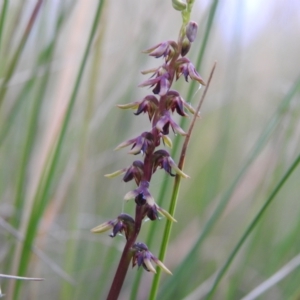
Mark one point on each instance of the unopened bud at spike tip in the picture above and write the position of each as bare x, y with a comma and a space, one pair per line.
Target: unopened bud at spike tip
179, 5
191, 31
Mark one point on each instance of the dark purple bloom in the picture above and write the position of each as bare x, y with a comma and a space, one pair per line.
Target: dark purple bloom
142, 196
149, 105
165, 49
143, 257
187, 69
135, 171
124, 223
161, 83
144, 143
162, 159
165, 121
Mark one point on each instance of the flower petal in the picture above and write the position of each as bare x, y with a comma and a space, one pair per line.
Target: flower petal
166, 214
177, 128
167, 141
150, 82
132, 105
162, 266
194, 74
103, 227
149, 266
125, 144
176, 169
115, 174
131, 195
164, 86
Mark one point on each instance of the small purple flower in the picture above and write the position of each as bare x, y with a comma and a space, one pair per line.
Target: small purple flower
135, 171
143, 257
162, 159
176, 102
144, 143
161, 83
148, 105
187, 69
165, 121
142, 196
165, 49
124, 223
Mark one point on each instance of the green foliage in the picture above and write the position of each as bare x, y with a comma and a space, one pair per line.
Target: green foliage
60, 81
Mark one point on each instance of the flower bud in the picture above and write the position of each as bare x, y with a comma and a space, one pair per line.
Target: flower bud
191, 31
178, 5
186, 46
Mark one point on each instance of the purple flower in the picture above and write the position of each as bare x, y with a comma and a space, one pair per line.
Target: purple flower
135, 171
161, 82
143, 257
142, 196
124, 223
144, 143
148, 105
165, 49
187, 69
162, 159
176, 102
165, 121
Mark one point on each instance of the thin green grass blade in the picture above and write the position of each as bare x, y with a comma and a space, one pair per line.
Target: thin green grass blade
42, 195
7, 124
31, 135
2, 19
172, 208
252, 226
44, 58
17, 54
281, 274
188, 262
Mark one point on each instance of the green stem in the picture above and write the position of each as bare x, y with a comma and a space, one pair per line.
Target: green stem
251, 227
212, 12
258, 147
167, 231
2, 19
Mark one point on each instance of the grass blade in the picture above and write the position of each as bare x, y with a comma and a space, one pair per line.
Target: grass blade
42, 195
260, 144
252, 226
17, 54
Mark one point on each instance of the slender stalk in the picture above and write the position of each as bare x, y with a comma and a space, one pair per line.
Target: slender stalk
167, 232
258, 147
252, 226
19, 50
2, 20
126, 257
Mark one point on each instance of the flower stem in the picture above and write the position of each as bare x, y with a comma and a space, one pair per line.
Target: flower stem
175, 193
126, 257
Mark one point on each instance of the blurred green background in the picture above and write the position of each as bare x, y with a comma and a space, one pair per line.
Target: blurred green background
60, 80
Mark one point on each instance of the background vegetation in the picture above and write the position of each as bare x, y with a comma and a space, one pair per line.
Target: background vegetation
60, 80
